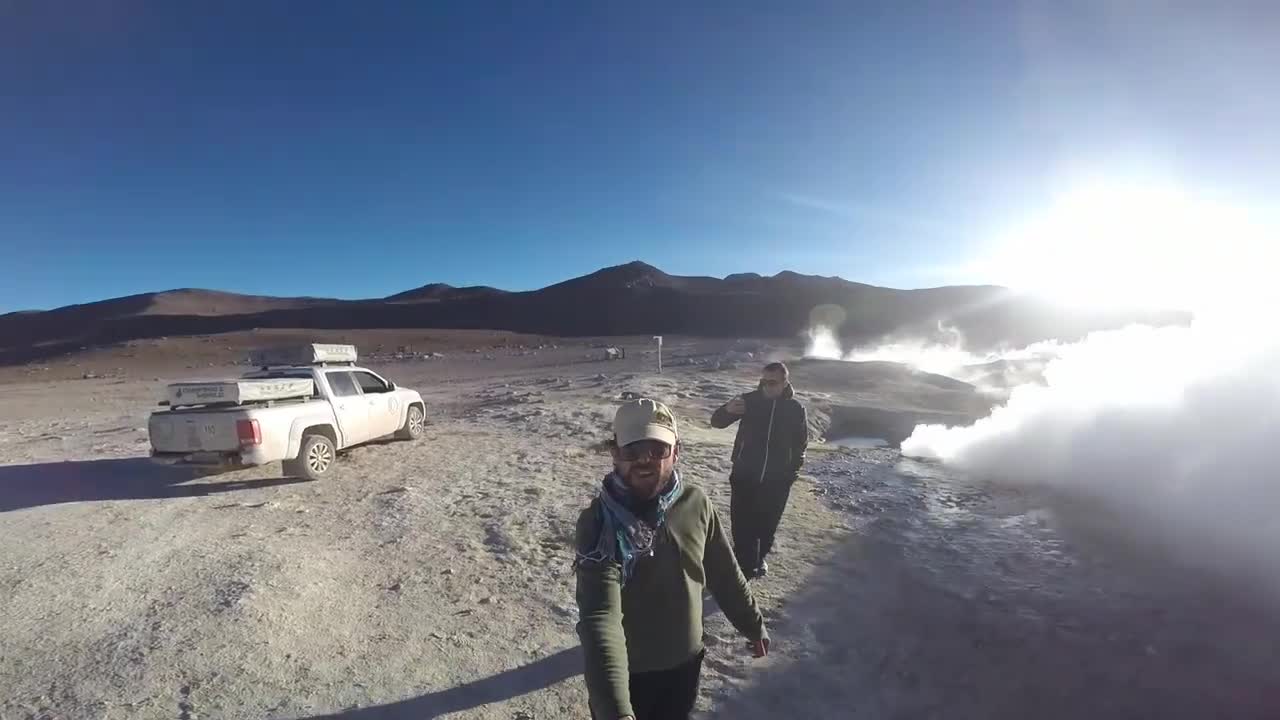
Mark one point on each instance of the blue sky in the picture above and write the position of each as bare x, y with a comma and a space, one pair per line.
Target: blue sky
359, 149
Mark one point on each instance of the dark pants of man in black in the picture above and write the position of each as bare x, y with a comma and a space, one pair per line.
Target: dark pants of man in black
755, 510
665, 694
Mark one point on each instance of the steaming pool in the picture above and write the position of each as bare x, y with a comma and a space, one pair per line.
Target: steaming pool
859, 443
954, 599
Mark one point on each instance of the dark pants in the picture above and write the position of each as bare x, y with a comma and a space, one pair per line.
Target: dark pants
665, 694
755, 510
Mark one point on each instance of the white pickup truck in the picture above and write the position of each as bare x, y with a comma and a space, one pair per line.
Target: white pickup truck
299, 414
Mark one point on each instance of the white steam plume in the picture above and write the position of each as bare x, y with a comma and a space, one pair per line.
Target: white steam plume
1177, 429
1174, 430
823, 344
941, 358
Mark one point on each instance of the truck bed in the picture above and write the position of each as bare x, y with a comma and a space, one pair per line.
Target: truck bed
213, 429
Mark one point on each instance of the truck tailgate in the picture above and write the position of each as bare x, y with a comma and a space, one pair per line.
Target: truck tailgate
194, 432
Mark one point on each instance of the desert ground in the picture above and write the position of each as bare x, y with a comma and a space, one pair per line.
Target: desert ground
432, 579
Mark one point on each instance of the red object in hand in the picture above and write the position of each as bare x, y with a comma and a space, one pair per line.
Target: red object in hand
759, 648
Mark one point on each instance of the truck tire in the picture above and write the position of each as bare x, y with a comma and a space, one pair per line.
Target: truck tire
415, 424
315, 458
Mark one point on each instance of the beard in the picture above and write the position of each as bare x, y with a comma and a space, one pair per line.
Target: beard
647, 480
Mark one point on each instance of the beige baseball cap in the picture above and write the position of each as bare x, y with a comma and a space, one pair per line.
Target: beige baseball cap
644, 419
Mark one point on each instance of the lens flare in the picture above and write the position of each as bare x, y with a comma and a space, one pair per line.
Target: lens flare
1136, 246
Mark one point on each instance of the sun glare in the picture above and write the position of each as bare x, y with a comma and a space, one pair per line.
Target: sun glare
1109, 245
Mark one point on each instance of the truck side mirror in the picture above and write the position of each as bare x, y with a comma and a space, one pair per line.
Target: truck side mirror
391, 386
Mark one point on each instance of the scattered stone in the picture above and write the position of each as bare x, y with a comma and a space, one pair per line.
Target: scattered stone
491, 600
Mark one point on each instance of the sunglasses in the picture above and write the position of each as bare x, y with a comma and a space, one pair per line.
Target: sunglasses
773, 383
644, 449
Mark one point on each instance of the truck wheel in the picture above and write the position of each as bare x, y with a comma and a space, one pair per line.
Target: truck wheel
315, 457
415, 424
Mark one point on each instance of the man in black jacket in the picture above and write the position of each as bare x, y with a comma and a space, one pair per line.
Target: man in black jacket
767, 456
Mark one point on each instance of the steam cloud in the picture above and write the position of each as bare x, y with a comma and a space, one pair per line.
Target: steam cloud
1177, 430
992, 372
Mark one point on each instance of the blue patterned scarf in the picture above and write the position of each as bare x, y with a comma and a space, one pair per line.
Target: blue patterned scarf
625, 538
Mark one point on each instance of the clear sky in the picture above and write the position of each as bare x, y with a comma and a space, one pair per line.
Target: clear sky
355, 149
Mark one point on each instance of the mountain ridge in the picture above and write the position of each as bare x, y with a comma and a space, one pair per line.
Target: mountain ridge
630, 299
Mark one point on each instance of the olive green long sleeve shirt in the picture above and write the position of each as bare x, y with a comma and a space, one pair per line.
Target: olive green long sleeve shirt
654, 621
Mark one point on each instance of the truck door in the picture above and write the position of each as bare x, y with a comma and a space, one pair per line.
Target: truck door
384, 405
348, 407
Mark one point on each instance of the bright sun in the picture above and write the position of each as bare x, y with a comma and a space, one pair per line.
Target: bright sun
1116, 245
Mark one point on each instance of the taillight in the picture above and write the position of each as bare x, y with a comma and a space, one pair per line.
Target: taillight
249, 432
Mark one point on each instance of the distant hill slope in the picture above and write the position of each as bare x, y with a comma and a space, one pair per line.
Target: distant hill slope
631, 299
443, 291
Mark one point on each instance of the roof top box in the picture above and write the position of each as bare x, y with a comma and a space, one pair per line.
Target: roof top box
310, 354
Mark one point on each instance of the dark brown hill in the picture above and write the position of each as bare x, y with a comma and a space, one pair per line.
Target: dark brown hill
631, 299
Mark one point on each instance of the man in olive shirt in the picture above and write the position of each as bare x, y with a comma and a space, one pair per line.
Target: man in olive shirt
646, 546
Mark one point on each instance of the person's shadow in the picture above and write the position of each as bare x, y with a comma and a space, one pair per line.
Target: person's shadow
537, 675
136, 478
503, 686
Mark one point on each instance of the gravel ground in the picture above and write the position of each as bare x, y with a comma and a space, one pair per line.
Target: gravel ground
432, 579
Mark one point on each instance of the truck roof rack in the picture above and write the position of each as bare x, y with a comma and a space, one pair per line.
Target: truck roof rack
301, 366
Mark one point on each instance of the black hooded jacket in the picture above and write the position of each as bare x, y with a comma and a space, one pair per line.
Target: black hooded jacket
772, 437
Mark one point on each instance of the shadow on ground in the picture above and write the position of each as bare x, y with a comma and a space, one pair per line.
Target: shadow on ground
950, 604
900, 627
506, 685
25, 486
513, 683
